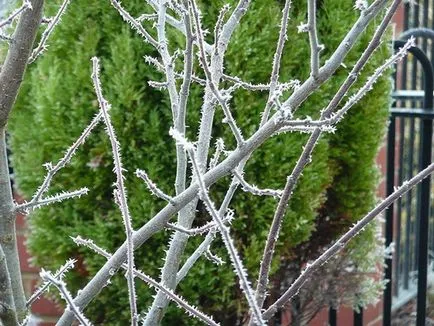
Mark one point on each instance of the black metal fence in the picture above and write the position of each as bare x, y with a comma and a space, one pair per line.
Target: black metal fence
408, 223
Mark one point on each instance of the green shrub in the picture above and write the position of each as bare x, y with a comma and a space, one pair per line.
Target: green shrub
57, 101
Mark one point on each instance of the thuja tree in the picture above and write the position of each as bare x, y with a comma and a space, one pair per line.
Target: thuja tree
336, 189
190, 61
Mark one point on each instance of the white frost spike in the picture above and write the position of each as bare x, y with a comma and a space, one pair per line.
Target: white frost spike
361, 5
303, 28
61, 286
58, 275
180, 139
191, 310
121, 190
51, 25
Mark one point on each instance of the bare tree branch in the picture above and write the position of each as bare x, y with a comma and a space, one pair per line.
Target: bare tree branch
343, 241
46, 34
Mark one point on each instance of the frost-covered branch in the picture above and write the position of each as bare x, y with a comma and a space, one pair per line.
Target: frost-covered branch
229, 119
200, 250
30, 206
46, 34
343, 241
61, 286
24, 6
202, 229
152, 186
134, 23
313, 38
52, 170
305, 157
255, 190
277, 60
120, 191
58, 275
191, 310
224, 231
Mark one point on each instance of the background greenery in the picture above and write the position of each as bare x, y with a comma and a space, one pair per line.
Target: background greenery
57, 101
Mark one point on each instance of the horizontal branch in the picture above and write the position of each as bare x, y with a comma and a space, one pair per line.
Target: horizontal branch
255, 190
152, 186
32, 205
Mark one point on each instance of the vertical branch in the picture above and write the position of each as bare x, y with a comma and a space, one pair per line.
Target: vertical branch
304, 159
313, 38
8, 238
224, 231
181, 169
209, 77
120, 192
178, 241
277, 60
12, 71
167, 59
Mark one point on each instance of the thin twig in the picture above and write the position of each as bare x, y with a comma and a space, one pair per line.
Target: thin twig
52, 170
200, 250
224, 231
202, 229
25, 5
51, 25
255, 190
229, 118
152, 186
61, 286
58, 275
277, 60
120, 192
134, 23
30, 206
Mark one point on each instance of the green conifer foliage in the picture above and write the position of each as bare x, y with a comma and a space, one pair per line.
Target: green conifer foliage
57, 101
